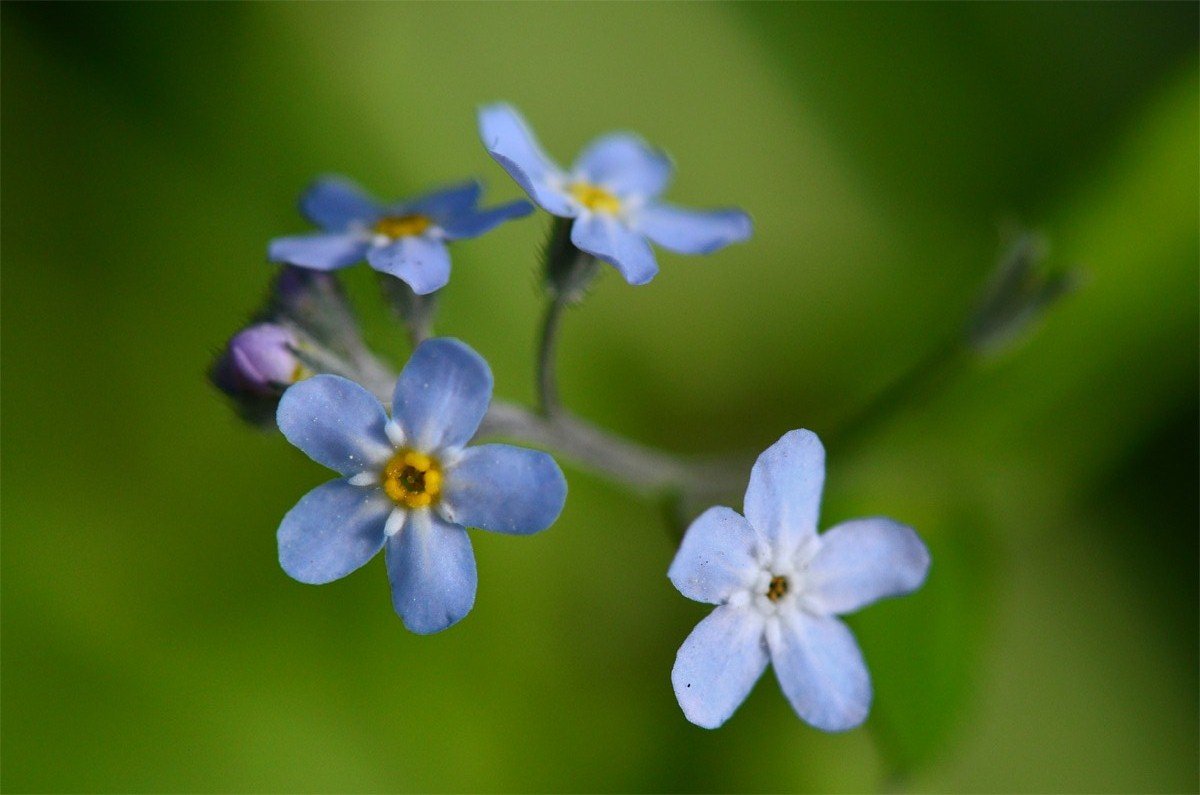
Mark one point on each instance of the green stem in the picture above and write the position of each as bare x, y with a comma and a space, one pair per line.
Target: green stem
916, 384
547, 385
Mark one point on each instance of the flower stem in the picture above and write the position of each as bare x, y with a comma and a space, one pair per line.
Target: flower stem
643, 469
547, 385
920, 381
568, 272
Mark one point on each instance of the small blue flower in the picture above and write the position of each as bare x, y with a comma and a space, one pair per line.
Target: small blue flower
779, 588
404, 239
409, 484
612, 193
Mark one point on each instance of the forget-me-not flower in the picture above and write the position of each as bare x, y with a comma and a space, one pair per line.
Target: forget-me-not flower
409, 484
779, 588
405, 239
612, 193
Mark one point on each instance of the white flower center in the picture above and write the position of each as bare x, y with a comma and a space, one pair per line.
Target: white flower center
770, 590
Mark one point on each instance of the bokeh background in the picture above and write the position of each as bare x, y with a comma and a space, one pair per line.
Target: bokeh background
150, 641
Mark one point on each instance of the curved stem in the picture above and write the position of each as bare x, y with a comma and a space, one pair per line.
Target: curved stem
643, 469
547, 386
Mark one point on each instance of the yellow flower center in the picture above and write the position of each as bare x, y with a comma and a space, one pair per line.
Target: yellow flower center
412, 479
777, 589
596, 199
396, 226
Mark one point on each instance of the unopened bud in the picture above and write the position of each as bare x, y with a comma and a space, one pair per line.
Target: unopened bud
260, 361
1019, 294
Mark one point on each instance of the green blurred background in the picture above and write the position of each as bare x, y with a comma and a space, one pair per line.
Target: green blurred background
151, 642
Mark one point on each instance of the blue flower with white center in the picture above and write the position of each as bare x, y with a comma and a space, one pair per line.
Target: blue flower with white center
405, 239
779, 588
409, 484
612, 193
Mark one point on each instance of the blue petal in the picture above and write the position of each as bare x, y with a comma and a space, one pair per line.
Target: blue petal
784, 496
606, 238
626, 165
504, 488
820, 670
336, 422
693, 231
718, 665
445, 202
320, 251
473, 223
432, 571
421, 262
332, 531
717, 556
511, 143
442, 394
333, 203
862, 561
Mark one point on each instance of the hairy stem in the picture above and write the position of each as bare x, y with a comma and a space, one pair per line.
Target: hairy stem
547, 383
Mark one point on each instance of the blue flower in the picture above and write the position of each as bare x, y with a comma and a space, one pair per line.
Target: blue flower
779, 588
404, 239
612, 193
409, 485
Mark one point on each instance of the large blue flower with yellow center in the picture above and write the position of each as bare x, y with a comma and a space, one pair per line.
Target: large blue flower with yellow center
406, 239
612, 192
779, 588
409, 483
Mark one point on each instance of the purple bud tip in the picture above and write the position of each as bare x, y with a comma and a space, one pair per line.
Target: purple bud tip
259, 361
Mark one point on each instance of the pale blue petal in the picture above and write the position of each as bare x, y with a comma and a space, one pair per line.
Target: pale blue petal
442, 394
333, 530
473, 223
510, 142
862, 561
421, 262
820, 670
625, 165
445, 202
784, 497
336, 422
319, 251
693, 231
333, 203
432, 571
605, 237
504, 488
716, 558
718, 665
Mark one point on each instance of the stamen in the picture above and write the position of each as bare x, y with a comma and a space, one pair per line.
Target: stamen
412, 479
397, 226
595, 198
778, 588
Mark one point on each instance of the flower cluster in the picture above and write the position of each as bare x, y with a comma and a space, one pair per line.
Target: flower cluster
413, 475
